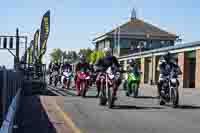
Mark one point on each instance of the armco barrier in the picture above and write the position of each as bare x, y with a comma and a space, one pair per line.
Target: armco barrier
8, 123
10, 82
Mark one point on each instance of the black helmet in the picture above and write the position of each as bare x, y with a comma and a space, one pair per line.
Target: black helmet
82, 58
167, 56
131, 62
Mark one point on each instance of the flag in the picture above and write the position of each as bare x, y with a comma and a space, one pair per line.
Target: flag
30, 53
35, 42
44, 33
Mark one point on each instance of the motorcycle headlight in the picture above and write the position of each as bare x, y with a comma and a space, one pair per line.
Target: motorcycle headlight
88, 77
173, 81
111, 76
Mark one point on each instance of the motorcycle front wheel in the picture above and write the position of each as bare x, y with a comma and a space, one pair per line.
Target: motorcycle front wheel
110, 97
55, 82
102, 98
68, 83
175, 97
135, 87
50, 81
83, 89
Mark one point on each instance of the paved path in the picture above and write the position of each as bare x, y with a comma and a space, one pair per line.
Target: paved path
41, 114
141, 115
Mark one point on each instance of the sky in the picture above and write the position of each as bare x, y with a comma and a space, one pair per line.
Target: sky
74, 23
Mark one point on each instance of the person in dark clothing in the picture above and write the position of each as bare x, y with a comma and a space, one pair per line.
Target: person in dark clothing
56, 67
166, 64
66, 65
50, 67
103, 64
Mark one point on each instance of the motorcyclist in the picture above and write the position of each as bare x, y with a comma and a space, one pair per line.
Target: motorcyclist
65, 66
56, 67
102, 65
93, 74
132, 67
53, 67
84, 66
166, 64
50, 67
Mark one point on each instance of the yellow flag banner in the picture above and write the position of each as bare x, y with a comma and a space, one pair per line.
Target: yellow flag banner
30, 53
44, 34
35, 42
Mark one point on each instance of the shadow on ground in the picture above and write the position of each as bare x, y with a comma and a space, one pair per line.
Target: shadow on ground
128, 107
90, 97
146, 97
61, 91
32, 118
48, 93
188, 107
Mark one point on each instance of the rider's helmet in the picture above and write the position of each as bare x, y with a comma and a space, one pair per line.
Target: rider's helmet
66, 62
167, 56
82, 58
56, 64
131, 62
107, 51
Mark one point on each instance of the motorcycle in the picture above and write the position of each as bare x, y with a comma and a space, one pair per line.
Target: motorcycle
108, 83
132, 84
50, 77
93, 78
55, 78
66, 78
170, 86
85, 79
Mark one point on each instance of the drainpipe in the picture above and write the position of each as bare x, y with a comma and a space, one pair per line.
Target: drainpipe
119, 42
152, 72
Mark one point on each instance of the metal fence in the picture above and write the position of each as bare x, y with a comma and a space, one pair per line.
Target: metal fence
10, 83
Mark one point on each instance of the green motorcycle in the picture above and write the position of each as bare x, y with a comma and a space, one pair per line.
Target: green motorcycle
131, 85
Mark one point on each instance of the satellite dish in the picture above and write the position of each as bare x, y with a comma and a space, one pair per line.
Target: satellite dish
133, 14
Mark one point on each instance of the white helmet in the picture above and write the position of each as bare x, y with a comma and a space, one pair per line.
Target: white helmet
107, 51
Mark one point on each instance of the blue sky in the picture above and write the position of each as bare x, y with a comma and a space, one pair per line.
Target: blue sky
74, 23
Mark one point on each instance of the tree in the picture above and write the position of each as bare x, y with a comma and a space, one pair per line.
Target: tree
87, 52
56, 55
64, 56
71, 56
95, 55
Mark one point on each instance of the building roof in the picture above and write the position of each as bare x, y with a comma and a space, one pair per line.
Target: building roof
137, 27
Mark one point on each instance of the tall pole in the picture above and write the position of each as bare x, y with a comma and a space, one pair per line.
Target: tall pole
17, 48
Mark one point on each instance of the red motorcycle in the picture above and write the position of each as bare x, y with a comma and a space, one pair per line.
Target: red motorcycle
84, 78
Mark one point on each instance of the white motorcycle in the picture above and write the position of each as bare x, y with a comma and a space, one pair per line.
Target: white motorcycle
108, 82
66, 78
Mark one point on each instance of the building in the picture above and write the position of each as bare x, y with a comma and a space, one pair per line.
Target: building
134, 36
144, 42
